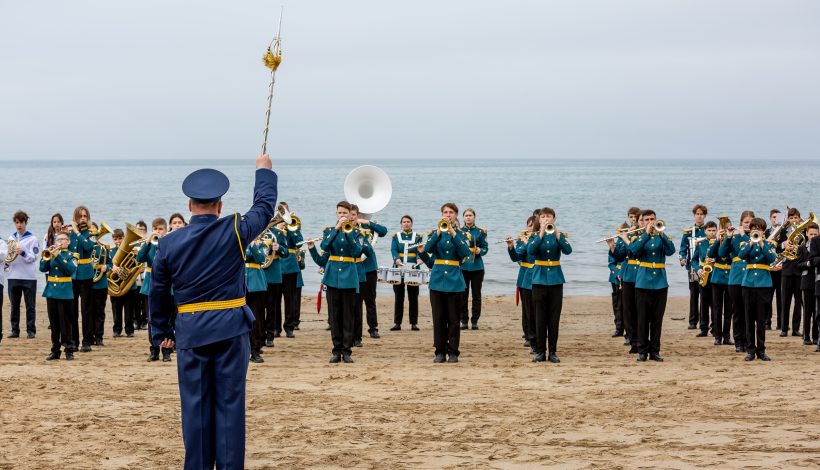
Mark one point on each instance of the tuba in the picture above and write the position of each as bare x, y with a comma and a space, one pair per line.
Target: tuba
125, 260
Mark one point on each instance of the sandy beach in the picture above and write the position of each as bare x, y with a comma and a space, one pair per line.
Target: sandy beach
703, 407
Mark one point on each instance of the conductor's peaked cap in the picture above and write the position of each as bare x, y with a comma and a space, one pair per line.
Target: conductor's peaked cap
206, 185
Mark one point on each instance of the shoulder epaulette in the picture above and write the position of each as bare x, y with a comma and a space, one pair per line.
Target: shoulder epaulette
483, 230
429, 233
565, 234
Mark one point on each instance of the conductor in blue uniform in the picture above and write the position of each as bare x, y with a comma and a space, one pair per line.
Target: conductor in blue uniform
204, 263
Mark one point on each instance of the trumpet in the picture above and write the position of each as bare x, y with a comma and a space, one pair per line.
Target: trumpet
348, 226
659, 226
549, 229
627, 232
756, 236
50, 252
444, 225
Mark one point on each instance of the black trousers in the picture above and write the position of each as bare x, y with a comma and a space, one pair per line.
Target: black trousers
528, 316
755, 299
141, 317
777, 281
369, 298
738, 315
791, 289
721, 311
694, 295
651, 305
341, 304
256, 301
473, 280
617, 310
446, 308
27, 290
82, 302
59, 316
630, 312
547, 301
99, 298
125, 307
398, 304
705, 308
273, 310
292, 301
809, 325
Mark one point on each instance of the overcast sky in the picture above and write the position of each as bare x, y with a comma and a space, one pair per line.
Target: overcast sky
389, 79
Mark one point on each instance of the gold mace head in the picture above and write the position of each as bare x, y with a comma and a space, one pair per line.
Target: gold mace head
272, 60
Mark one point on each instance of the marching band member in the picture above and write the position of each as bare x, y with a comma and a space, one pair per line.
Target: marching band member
615, 282
125, 306
777, 280
790, 280
99, 289
22, 276
518, 253
699, 212
55, 227
256, 292
699, 259
292, 280
619, 249
721, 300
547, 283
756, 284
273, 277
83, 247
146, 254
371, 267
446, 249
405, 256
59, 295
367, 251
342, 281
176, 221
651, 287
4, 251
473, 268
807, 286
730, 248
814, 258
141, 312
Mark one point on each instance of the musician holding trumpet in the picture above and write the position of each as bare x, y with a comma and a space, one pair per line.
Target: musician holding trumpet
758, 253
730, 248
59, 265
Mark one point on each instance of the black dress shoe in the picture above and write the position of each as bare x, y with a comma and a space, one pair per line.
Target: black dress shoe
474, 327
452, 358
414, 327
617, 333
166, 356
702, 334
642, 357
256, 358
289, 334
464, 326
153, 356
117, 335
375, 334
85, 348
540, 357
763, 357
30, 335
269, 342
553, 358
14, 335
797, 333
396, 327
693, 326
807, 342
439, 358
129, 335
99, 342
784, 333
817, 349
718, 341
655, 357
533, 351
53, 356
277, 333
347, 359
633, 349
296, 328
749, 357
69, 356
527, 343
728, 341
740, 349
357, 343
627, 341
335, 358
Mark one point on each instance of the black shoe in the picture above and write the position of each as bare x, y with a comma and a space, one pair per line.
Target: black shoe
375, 334
553, 358
740, 349
85, 348
99, 342
396, 327
153, 356
166, 356
53, 356
784, 333
540, 357
256, 358
797, 333
533, 351
763, 357
728, 341
655, 357
439, 358
30, 335
633, 350
347, 359
335, 358
807, 342
277, 333
817, 349
117, 335
693, 326
464, 325
452, 358
414, 328
296, 328
129, 335
718, 341
527, 343
617, 333
475, 326
289, 334
642, 357
14, 335
69, 356
627, 341
357, 343
702, 334
144, 326
269, 342
749, 357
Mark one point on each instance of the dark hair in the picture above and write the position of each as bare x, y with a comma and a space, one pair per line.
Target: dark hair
547, 211
20, 216
406, 217
536, 226
633, 210
773, 212
745, 214
646, 212
469, 209
757, 223
354, 207
812, 225
159, 221
343, 204
793, 211
50, 234
141, 222
61, 234
700, 207
449, 205
117, 233
177, 215
535, 212
710, 224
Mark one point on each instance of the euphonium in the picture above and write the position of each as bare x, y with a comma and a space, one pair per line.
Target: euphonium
444, 225
125, 260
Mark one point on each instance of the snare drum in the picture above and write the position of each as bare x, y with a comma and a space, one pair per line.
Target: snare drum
425, 277
381, 273
394, 275
414, 277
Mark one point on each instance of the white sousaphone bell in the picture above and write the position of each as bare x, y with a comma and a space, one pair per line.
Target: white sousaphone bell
368, 187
